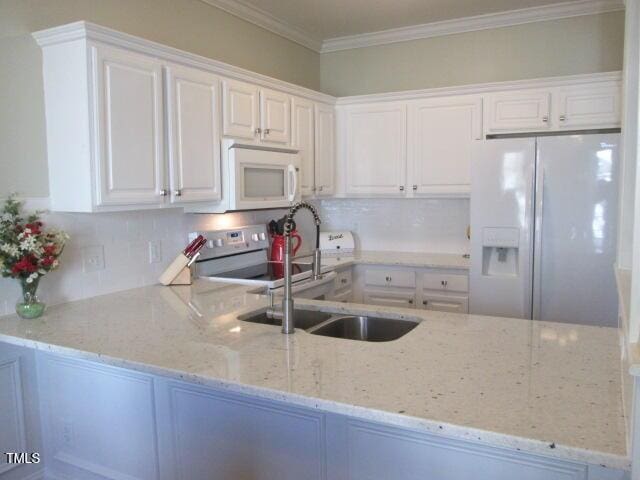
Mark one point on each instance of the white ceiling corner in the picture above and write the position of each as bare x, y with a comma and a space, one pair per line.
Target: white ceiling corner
247, 10
261, 18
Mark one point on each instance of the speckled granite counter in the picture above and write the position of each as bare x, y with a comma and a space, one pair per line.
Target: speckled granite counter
401, 259
540, 387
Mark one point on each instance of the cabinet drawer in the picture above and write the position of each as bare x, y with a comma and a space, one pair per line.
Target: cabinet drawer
390, 298
344, 297
343, 279
445, 303
449, 282
390, 278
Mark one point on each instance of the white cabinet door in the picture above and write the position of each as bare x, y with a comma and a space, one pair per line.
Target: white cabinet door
194, 135
275, 116
522, 110
588, 106
445, 303
128, 101
302, 139
441, 136
240, 109
376, 149
405, 299
325, 150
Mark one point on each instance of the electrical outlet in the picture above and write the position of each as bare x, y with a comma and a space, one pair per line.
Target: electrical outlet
93, 258
155, 251
67, 433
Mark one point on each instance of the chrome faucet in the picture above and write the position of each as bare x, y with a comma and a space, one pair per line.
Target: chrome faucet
287, 314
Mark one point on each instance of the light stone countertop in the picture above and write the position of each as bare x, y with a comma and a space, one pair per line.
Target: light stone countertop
546, 388
398, 259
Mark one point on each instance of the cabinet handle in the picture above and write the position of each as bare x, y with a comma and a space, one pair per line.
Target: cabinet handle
267, 131
444, 283
545, 119
163, 193
320, 188
343, 280
402, 188
178, 193
415, 187
258, 131
563, 118
388, 279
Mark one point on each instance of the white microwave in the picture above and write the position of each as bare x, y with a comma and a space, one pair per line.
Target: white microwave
260, 177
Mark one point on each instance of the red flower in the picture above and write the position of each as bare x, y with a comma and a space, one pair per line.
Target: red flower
34, 227
49, 249
25, 264
48, 261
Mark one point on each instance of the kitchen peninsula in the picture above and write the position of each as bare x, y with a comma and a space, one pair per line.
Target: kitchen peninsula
198, 390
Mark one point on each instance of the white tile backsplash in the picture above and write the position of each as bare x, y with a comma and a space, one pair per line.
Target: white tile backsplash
123, 238
403, 225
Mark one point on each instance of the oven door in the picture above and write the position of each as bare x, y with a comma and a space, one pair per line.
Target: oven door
262, 178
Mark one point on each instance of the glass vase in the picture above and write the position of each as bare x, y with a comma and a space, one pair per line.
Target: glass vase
29, 306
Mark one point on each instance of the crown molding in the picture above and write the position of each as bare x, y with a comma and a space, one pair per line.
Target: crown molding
470, 24
261, 18
482, 88
87, 31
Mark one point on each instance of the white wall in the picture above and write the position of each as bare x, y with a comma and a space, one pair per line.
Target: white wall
404, 225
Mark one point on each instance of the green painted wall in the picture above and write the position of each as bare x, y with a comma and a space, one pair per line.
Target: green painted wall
586, 44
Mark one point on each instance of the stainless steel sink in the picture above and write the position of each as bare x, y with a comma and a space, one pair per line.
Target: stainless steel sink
368, 329
305, 319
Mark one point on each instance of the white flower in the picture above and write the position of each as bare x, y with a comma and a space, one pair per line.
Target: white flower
32, 277
29, 244
7, 217
11, 250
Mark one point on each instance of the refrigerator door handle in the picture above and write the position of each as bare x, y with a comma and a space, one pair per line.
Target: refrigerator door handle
536, 293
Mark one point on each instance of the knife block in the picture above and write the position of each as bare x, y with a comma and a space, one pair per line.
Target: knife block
185, 277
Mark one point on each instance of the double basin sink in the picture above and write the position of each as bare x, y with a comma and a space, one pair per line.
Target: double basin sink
351, 327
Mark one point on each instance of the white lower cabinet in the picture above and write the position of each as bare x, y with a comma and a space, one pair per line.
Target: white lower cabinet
107, 423
427, 288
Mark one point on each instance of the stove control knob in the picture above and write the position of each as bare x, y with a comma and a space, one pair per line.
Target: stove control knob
216, 242
254, 237
263, 236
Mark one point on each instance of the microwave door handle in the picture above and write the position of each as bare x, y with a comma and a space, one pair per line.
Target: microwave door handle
293, 182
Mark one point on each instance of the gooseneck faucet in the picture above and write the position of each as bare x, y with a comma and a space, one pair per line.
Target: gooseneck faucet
288, 321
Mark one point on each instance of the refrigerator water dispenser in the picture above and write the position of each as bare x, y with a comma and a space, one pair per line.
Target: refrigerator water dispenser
500, 247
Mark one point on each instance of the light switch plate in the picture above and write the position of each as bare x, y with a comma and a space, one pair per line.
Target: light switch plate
92, 258
155, 251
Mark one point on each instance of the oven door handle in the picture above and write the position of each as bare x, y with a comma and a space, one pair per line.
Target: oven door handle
292, 177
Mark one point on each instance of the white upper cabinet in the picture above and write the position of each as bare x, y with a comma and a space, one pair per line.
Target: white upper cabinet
303, 139
376, 140
441, 136
241, 104
587, 106
128, 102
325, 143
193, 112
517, 111
275, 117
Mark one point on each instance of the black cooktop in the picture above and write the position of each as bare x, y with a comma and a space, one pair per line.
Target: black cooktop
268, 271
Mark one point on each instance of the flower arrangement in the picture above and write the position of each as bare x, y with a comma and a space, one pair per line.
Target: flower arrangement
27, 252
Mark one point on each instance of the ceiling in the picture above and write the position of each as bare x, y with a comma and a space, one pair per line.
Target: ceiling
318, 23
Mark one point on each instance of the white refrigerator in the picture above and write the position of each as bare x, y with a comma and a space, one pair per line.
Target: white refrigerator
543, 228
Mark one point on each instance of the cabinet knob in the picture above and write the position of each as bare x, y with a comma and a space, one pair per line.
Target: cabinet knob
163, 193
545, 119
425, 302
411, 301
402, 188
415, 187
320, 188
267, 131
178, 193
444, 283
343, 280
563, 118
258, 130
388, 279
